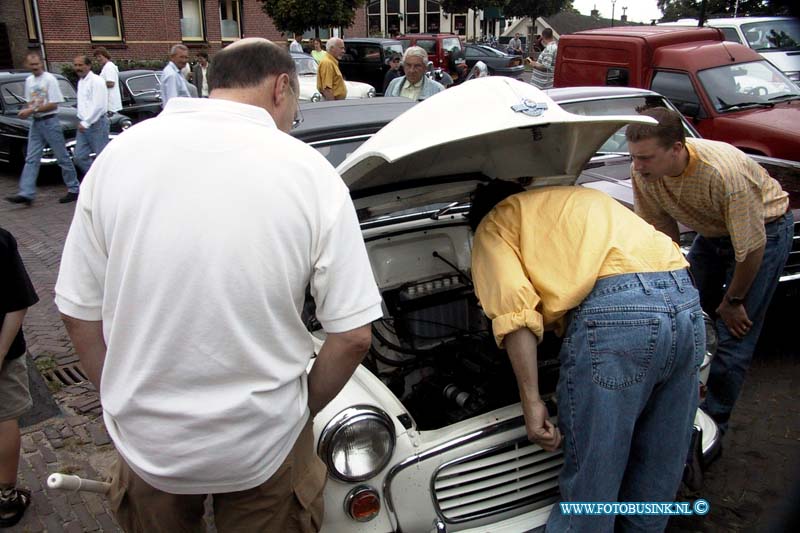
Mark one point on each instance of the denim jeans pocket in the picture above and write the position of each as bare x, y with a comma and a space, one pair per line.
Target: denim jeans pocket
621, 350
699, 329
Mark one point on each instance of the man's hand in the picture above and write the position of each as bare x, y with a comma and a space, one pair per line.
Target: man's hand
81, 128
540, 430
25, 113
735, 317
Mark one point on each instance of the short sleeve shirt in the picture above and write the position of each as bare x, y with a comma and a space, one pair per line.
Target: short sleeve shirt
111, 73
43, 89
16, 289
330, 77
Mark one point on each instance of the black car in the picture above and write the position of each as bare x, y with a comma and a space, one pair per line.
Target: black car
366, 60
141, 93
499, 63
14, 130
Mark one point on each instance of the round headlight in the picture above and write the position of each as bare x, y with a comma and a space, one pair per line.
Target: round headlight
711, 336
125, 124
371, 92
316, 97
357, 443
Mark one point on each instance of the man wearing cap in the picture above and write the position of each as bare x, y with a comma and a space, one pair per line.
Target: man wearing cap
394, 70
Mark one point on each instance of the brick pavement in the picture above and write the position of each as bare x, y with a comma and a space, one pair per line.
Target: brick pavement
760, 462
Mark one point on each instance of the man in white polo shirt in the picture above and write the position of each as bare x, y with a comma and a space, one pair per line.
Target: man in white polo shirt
184, 304
93, 128
110, 74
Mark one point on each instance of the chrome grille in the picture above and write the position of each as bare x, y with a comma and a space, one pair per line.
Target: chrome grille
493, 481
792, 270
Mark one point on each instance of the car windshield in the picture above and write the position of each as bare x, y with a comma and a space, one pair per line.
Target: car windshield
732, 87
306, 66
147, 83
773, 35
488, 50
13, 94
617, 144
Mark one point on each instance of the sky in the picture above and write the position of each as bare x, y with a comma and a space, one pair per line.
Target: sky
638, 10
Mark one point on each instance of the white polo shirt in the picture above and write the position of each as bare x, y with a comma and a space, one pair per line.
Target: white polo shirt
196, 257
92, 99
110, 72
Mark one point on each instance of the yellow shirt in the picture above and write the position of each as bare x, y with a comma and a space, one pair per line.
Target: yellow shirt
538, 254
722, 192
330, 77
411, 90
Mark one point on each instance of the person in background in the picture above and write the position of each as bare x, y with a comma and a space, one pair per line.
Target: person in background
330, 82
634, 338
545, 66
200, 74
744, 236
16, 297
110, 74
43, 95
318, 52
515, 45
394, 70
172, 81
414, 84
217, 399
93, 128
297, 43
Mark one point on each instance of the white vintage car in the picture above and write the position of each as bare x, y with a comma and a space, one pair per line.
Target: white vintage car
428, 435
307, 74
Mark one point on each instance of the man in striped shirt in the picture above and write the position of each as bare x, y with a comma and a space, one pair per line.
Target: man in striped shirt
744, 234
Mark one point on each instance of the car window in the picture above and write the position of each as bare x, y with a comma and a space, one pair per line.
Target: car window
405, 43
371, 54
451, 44
428, 45
389, 49
13, 93
306, 66
677, 87
146, 83
773, 34
471, 52
731, 35
67, 90
731, 86
336, 151
489, 51
618, 106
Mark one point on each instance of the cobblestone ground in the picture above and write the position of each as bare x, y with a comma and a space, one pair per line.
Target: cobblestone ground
755, 472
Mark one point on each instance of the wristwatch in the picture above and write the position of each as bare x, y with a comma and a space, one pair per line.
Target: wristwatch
734, 300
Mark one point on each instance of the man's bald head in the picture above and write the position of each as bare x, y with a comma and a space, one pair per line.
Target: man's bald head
248, 62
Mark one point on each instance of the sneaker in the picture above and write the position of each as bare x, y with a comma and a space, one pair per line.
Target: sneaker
13, 503
19, 199
67, 198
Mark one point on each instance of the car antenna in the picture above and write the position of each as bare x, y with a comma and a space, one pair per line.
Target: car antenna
730, 55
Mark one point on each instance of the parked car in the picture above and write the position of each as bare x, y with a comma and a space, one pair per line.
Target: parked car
499, 63
366, 60
428, 435
141, 93
14, 130
438, 45
307, 74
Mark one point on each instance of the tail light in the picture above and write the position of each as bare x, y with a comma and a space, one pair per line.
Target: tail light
362, 504
515, 62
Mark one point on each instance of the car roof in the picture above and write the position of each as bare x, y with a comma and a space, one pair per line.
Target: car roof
701, 55
408, 35
568, 94
301, 54
20, 74
137, 72
739, 21
329, 120
376, 40
657, 35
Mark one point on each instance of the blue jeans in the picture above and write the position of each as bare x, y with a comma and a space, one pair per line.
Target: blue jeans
712, 261
46, 132
91, 141
627, 395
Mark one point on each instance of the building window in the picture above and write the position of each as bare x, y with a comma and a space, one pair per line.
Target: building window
393, 17
230, 18
104, 20
374, 18
192, 20
412, 16
432, 17
460, 24
30, 20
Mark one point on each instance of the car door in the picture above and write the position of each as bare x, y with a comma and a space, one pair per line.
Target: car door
678, 88
13, 131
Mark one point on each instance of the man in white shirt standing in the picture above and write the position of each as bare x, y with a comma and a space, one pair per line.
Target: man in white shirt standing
184, 305
93, 128
110, 74
297, 44
172, 81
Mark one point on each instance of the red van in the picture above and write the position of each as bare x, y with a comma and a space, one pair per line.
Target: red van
438, 45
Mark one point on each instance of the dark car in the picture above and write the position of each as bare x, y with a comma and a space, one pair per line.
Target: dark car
141, 93
499, 63
366, 60
14, 130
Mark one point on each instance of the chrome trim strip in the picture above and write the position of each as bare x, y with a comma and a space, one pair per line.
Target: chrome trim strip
340, 140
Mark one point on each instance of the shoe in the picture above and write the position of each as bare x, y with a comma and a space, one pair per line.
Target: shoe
12, 506
18, 199
67, 198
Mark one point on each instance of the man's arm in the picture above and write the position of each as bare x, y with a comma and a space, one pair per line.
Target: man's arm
99, 105
521, 346
328, 94
11, 325
90, 345
338, 358
735, 315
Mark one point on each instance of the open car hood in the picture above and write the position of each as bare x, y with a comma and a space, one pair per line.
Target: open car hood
493, 127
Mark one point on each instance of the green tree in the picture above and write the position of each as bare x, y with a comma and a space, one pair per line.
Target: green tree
461, 6
534, 8
297, 16
677, 9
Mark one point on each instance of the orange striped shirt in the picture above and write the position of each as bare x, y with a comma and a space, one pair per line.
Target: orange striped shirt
722, 192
